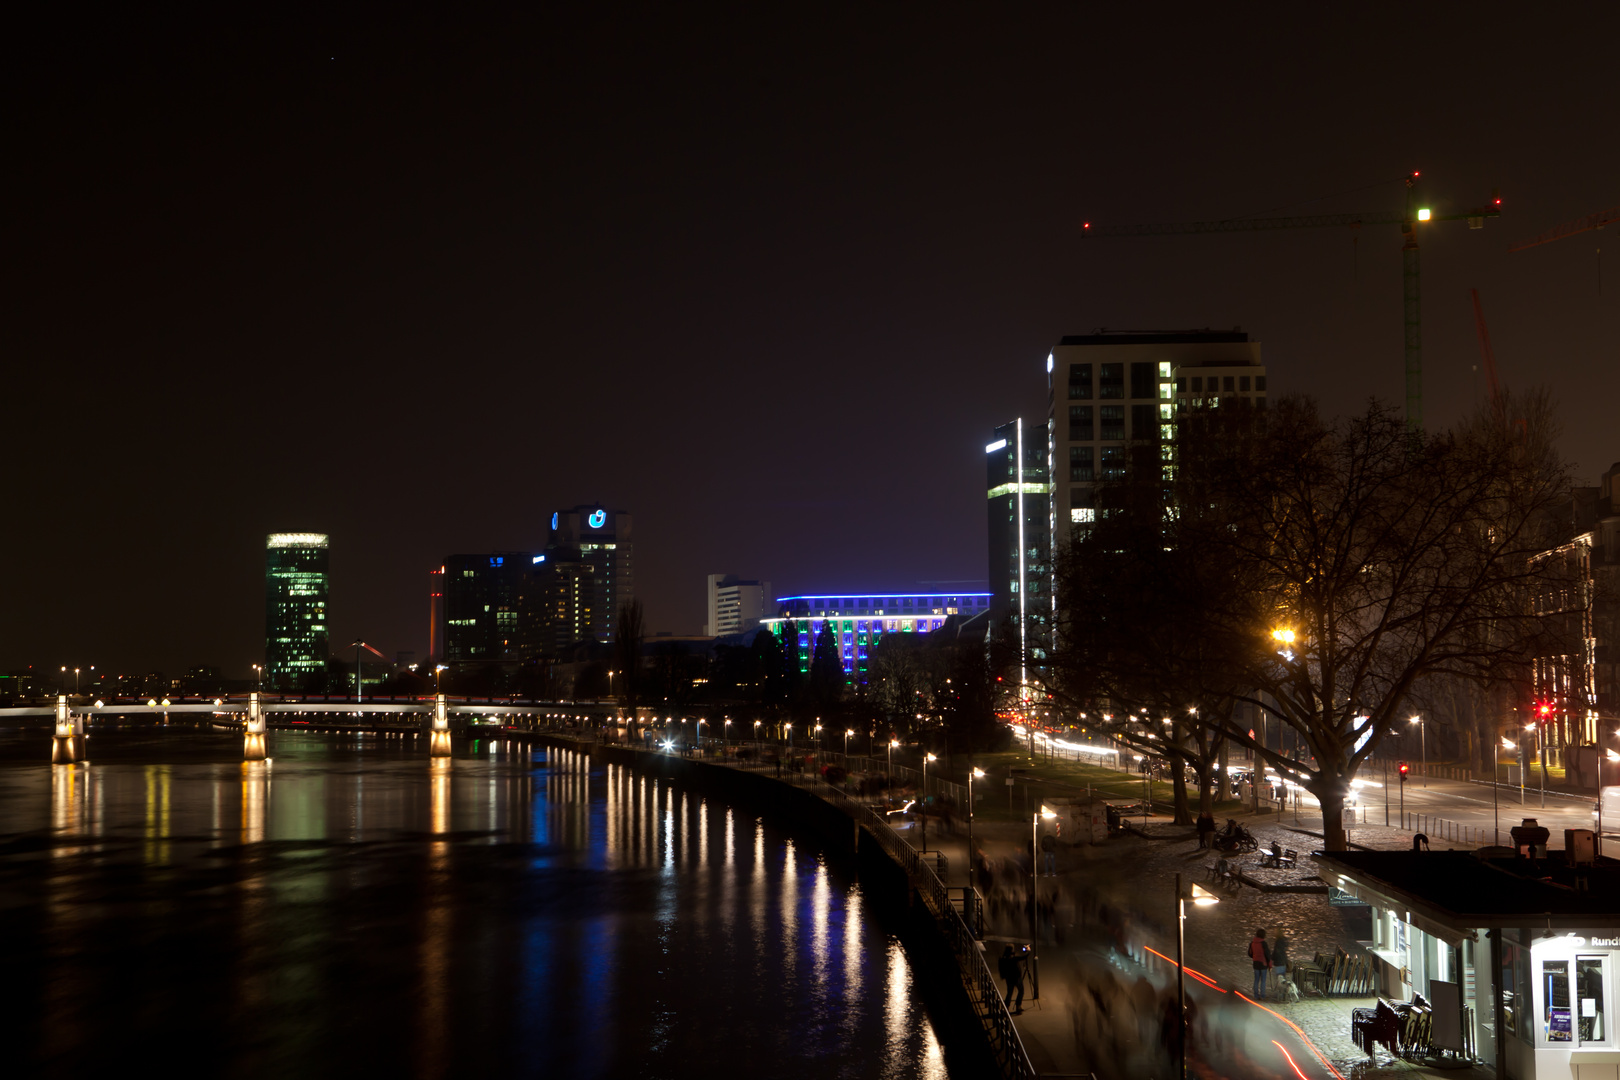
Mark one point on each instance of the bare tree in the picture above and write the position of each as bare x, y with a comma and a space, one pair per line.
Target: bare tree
1369, 559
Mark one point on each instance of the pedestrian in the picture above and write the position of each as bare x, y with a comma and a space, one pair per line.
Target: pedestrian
1012, 970
1206, 828
1279, 959
1260, 953
1049, 850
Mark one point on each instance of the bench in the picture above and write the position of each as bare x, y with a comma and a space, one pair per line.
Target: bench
1284, 859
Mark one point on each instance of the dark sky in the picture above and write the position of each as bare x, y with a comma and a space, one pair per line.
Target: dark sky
765, 275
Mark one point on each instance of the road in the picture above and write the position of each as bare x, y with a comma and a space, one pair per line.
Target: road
1471, 805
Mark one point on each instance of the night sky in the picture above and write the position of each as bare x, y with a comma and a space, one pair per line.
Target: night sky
765, 276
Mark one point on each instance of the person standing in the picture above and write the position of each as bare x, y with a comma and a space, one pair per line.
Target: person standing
1279, 958
1206, 828
1012, 970
1260, 953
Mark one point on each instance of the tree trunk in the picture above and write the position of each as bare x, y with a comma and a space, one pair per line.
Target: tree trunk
1331, 795
1178, 780
1206, 790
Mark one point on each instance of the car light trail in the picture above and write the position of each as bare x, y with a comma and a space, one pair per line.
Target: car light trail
1302, 1036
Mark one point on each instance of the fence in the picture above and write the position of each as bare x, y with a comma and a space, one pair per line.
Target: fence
977, 978
1436, 828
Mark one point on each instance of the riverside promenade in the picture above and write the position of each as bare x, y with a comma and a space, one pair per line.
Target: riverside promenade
1103, 939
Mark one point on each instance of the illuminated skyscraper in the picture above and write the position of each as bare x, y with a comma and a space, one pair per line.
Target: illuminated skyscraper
1019, 489
295, 626
583, 576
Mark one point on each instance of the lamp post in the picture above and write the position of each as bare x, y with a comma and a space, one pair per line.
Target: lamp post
1034, 865
756, 736
697, 735
725, 735
1496, 817
258, 673
922, 799
980, 774
1201, 898
789, 727
1612, 756
1541, 756
847, 733
892, 744
1423, 744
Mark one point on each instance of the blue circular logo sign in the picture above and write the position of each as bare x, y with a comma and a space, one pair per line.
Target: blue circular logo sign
597, 519
554, 522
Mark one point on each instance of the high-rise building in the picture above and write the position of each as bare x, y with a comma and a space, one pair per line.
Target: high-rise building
296, 646
1020, 514
1108, 391
435, 615
735, 605
585, 573
483, 606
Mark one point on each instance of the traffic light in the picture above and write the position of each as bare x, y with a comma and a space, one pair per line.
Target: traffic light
1544, 709
1403, 772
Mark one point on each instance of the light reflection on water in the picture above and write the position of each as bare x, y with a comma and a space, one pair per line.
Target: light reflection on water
354, 905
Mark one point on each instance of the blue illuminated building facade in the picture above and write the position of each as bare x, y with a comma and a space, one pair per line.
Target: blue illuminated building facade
860, 621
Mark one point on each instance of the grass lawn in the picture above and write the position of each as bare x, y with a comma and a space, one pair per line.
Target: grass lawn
1108, 783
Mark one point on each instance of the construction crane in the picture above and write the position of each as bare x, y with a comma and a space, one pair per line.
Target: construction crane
1409, 220
1488, 355
1589, 223
1498, 409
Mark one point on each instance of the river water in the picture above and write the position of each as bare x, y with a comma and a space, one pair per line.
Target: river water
351, 907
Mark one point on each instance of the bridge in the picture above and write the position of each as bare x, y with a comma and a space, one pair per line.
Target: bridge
254, 714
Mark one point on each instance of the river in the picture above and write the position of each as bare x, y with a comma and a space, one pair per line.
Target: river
350, 906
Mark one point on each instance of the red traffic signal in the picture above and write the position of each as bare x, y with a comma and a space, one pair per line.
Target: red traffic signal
1403, 768
1545, 708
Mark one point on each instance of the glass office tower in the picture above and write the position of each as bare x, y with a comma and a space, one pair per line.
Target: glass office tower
295, 635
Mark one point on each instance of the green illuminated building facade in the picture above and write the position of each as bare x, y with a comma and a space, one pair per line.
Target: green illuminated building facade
295, 587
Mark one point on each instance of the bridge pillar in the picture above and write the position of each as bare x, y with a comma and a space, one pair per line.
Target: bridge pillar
68, 744
253, 741
439, 730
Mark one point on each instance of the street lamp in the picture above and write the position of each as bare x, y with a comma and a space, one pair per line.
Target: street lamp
698, 735
971, 774
1034, 866
893, 742
1496, 818
756, 735
1423, 742
1541, 755
789, 727
923, 799
1200, 897
258, 673
725, 735
1612, 756
847, 734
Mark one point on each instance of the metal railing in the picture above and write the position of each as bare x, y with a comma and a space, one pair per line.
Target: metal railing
977, 978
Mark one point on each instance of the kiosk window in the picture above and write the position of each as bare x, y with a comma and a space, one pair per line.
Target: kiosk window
1592, 1020
1555, 1019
